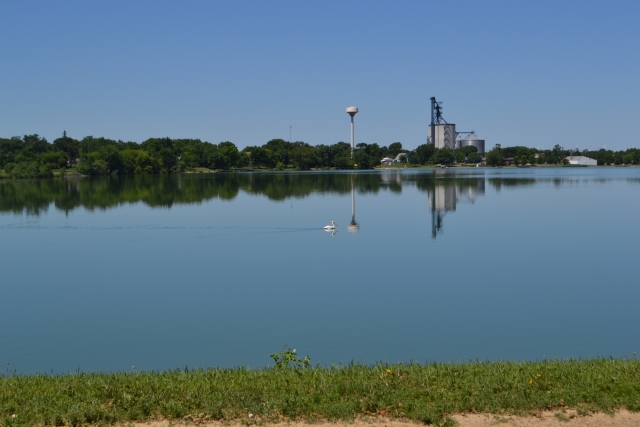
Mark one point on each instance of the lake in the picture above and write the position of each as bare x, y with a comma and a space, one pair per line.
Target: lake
219, 270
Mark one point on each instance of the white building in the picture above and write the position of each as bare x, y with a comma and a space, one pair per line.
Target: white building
582, 160
399, 157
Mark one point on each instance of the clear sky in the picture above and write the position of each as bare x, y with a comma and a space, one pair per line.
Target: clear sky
535, 73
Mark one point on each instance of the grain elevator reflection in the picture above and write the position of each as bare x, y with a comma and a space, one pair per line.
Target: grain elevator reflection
445, 195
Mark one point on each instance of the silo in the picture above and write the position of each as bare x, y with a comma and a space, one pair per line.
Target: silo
444, 135
474, 140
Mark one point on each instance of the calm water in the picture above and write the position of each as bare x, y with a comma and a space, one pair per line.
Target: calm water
223, 269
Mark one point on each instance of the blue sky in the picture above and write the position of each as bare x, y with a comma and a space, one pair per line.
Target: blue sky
535, 73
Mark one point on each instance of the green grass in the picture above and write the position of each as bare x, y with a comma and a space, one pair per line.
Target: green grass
426, 393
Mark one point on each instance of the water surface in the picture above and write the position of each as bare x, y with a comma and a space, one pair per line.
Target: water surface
222, 269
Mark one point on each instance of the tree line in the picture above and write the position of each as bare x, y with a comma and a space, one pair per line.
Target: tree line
32, 156
519, 155
35, 197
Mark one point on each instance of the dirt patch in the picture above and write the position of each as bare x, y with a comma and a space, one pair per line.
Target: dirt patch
567, 418
551, 419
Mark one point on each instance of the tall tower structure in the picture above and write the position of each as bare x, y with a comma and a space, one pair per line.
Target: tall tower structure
352, 112
441, 133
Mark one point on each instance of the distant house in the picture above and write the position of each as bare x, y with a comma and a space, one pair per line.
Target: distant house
399, 156
389, 161
386, 161
582, 160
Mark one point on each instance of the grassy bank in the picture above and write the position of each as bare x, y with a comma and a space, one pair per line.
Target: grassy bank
426, 393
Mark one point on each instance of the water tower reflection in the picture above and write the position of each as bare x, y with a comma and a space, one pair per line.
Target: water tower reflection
353, 226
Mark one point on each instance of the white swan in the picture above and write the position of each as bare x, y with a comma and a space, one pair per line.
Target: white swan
331, 227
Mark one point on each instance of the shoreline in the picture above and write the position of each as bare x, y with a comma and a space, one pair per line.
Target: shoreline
72, 174
434, 393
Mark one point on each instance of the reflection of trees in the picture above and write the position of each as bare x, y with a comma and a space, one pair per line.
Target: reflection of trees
445, 190
35, 196
498, 183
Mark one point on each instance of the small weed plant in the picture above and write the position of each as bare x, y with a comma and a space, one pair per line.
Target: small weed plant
287, 359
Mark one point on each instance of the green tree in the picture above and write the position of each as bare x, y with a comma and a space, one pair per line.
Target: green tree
343, 161
54, 159
139, 162
495, 157
362, 159
280, 150
260, 157
338, 152
468, 149
424, 153
243, 160
394, 149
36, 145
303, 156
443, 156
618, 158
112, 157
9, 149
474, 158
375, 153
227, 156
557, 154
100, 167
69, 146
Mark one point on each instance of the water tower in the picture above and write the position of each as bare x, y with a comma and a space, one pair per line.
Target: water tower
352, 112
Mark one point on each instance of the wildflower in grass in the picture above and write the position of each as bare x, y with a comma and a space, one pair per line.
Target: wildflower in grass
530, 381
538, 375
388, 371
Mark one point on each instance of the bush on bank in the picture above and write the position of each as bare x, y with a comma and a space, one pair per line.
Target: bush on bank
426, 393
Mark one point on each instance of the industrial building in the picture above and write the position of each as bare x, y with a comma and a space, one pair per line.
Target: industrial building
441, 133
471, 139
444, 135
582, 160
